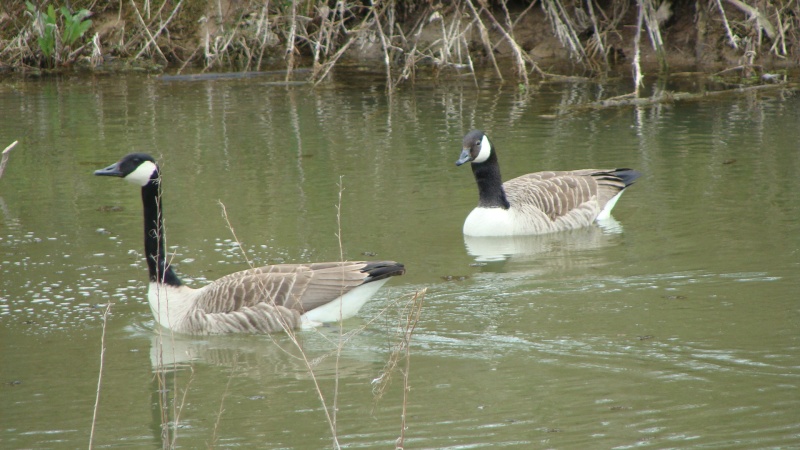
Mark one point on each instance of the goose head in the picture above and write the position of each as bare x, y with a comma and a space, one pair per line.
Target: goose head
137, 168
475, 148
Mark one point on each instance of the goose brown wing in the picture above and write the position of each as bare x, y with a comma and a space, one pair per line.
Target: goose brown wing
553, 193
556, 194
300, 287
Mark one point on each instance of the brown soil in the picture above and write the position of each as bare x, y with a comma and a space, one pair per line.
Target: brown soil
223, 35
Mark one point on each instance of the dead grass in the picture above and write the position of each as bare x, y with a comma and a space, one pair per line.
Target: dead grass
406, 37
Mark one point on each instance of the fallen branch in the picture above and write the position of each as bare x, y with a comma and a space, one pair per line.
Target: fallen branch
760, 18
5, 157
669, 97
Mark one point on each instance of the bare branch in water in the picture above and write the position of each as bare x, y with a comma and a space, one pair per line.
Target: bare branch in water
4, 161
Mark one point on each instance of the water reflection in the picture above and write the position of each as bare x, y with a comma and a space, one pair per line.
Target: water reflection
597, 338
271, 356
272, 366
486, 249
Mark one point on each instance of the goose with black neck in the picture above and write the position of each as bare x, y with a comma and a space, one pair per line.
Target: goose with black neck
260, 300
536, 203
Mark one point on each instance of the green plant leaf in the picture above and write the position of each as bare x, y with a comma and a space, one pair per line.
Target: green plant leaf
51, 14
74, 25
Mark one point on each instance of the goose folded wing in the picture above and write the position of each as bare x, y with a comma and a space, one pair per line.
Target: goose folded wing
300, 287
556, 194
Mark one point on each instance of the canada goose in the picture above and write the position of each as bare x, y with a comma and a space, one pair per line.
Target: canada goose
537, 203
260, 300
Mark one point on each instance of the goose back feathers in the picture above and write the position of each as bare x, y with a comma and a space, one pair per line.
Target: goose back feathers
260, 300
537, 203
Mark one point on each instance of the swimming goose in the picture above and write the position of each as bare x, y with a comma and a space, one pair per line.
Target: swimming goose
260, 300
537, 203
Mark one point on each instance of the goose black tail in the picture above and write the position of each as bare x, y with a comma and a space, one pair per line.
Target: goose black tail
378, 270
628, 176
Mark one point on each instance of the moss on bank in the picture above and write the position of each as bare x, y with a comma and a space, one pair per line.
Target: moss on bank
517, 39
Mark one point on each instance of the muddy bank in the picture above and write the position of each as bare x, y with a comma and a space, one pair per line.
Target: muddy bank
519, 41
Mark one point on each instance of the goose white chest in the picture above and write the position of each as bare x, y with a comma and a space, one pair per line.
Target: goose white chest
489, 222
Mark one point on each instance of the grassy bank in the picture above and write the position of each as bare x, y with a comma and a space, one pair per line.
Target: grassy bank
519, 40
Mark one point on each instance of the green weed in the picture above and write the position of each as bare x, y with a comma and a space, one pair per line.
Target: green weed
46, 26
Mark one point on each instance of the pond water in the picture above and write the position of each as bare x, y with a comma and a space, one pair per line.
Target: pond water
676, 326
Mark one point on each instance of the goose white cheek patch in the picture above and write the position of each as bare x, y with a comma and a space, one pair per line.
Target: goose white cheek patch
141, 176
486, 150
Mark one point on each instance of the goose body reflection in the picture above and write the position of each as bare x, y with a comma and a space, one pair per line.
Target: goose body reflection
486, 249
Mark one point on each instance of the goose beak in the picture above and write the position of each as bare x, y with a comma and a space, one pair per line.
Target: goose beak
110, 171
465, 157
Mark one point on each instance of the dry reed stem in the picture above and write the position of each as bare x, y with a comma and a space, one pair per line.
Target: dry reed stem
290, 45
214, 435
289, 330
163, 393
762, 23
385, 46
335, 405
484, 33
178, 408
4, 159
563, 28
326, 68
733, 40
160, 30
147, 31
412, 319
100, 371
519, 54
598, 36
637, 69
408, 321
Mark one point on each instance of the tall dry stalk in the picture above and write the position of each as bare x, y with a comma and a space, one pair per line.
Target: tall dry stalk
215, 433
401, 350
339, 346
564, 28
598, 34
178, 407
160, 30
290, 332
520, 57
652, 18
733, 40
146, 30
290, 41
99, 374
637, 68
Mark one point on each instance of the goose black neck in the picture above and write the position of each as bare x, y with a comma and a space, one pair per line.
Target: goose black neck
490, 184
160, 271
